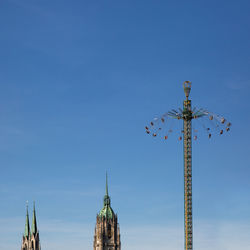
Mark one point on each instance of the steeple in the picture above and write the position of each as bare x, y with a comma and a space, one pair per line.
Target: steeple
107, 191
106, 210
31, 238
34, 225
107, 231
106, 197
27, 224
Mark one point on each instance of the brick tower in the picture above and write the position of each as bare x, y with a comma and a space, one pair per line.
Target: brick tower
107, 231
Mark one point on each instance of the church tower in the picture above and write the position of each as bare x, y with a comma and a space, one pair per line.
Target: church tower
34, 234
31, 239
107, 231
26, 235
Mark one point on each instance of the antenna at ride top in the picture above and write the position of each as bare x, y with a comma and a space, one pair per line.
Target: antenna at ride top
187, 88
208, 122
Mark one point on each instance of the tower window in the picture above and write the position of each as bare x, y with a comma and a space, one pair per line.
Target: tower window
109, 231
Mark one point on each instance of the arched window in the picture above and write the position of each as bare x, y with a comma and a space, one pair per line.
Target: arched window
109, 231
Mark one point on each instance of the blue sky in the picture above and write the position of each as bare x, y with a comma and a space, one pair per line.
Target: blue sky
79, 80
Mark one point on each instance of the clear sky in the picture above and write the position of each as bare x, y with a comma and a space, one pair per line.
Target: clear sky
79, 80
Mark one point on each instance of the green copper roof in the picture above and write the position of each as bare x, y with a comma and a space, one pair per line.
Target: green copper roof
34, 225
27, 224
106, 211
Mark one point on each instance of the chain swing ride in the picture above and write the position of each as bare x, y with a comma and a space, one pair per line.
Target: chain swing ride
163, 127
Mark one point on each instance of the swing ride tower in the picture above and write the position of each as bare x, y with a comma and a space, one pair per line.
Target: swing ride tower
187, 114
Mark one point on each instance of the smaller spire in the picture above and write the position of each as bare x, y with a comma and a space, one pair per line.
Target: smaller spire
27, 224
34, 224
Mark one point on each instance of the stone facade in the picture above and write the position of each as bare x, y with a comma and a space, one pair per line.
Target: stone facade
107, 234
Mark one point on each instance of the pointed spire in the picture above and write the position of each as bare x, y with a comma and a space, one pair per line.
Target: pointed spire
106, 197
34, 224
27, 224
106, 211
107, 191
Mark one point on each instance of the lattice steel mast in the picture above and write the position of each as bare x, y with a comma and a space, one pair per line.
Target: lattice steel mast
187, 127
